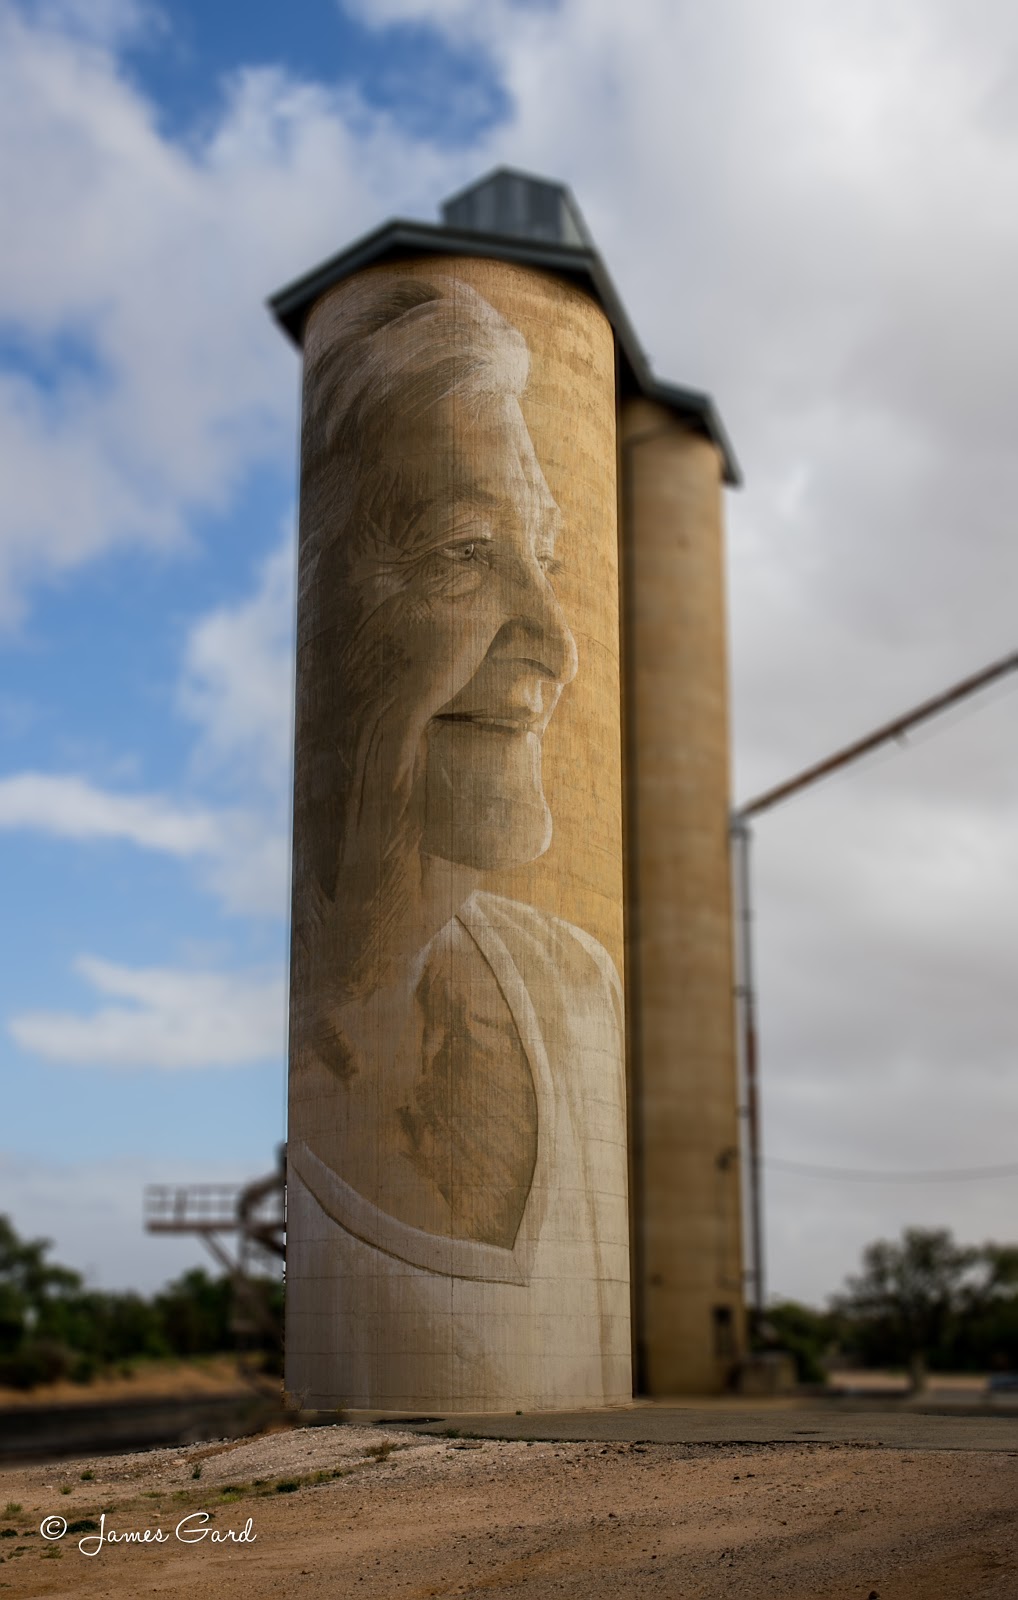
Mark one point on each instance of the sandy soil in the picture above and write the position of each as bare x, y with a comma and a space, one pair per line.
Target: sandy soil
376, 1514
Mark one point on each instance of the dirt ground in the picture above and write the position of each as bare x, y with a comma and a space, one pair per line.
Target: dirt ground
379, 1513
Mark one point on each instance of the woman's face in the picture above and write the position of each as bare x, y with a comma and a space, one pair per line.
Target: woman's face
454, 599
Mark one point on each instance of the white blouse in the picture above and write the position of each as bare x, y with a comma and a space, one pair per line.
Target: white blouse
381, 1314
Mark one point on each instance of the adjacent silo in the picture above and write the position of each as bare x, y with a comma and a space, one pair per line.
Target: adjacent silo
687, 1262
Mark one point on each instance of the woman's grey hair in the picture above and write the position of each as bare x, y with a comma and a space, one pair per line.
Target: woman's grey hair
384, 349
381, 350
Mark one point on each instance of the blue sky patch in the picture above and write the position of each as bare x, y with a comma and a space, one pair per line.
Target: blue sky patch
431, 89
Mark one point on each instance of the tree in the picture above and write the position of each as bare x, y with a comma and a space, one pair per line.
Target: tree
906, 1305
28, 1284
51, 1326
987, 1336
807, 1336
194, 1313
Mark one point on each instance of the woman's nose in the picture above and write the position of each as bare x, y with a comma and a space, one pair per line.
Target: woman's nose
544, 635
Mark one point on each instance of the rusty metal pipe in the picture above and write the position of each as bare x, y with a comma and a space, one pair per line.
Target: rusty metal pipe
745, 993
881, 735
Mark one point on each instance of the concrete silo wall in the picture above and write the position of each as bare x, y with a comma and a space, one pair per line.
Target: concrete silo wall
457, 1217
686, 1201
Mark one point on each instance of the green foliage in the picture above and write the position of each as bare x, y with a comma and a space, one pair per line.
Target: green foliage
806, 1334
195, 1313
36, 1360
52, 1327
28, 1284
104, 1328
926, 1301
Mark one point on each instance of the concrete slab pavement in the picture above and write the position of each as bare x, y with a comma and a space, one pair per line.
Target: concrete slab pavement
736, 1422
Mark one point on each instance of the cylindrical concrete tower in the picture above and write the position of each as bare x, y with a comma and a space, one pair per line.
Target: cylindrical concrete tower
457, 1232
687, 1262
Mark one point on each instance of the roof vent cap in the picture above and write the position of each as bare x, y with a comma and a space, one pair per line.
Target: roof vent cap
520, 206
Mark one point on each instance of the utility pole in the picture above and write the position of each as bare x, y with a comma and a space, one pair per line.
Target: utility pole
741, 835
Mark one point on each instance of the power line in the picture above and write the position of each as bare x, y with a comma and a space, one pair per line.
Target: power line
867, 1175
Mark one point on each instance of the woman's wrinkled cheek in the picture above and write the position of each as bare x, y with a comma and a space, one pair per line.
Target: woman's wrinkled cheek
444, 648
411, 648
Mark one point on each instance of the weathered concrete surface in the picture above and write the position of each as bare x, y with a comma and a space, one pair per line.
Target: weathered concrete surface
687, 1259
730, 1422
457, 1223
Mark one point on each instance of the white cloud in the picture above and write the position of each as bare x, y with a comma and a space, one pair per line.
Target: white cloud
479, 19
246, 856
251, 873
237, 680
106, 22
171, 1020
135, 270
71, 808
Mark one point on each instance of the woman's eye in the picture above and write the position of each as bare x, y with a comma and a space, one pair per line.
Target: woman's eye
461, 552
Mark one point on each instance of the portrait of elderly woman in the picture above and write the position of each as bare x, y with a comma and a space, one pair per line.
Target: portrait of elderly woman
456, 1154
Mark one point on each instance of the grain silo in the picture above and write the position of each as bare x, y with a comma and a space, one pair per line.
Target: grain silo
500, 510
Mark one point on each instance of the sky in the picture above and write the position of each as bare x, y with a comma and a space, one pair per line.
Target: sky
808, 210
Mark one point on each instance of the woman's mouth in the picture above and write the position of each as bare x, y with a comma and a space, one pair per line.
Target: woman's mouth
506, 720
